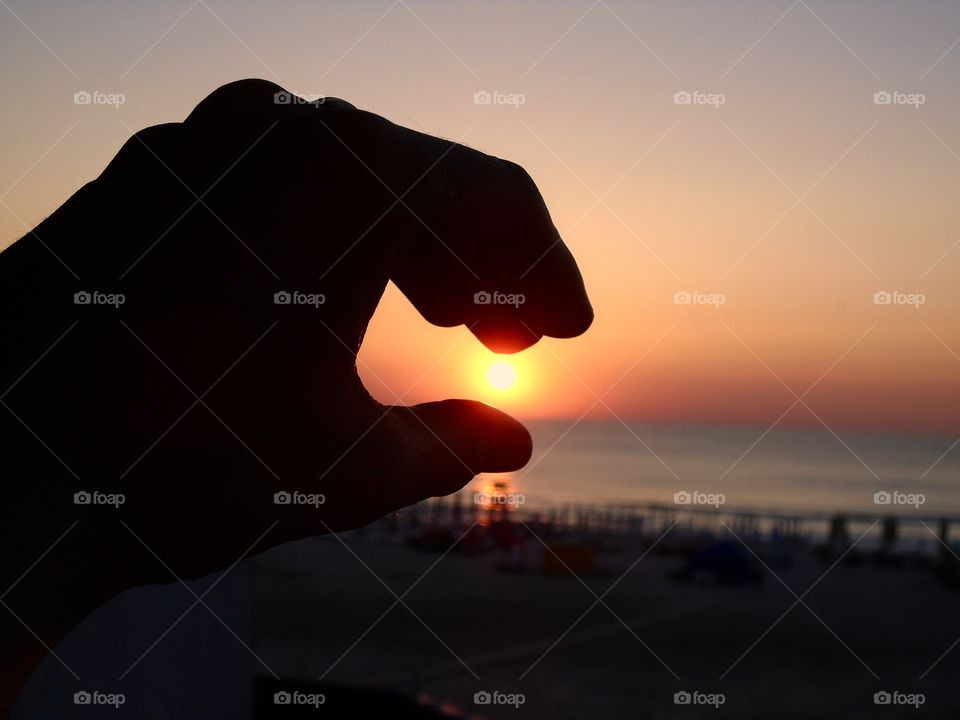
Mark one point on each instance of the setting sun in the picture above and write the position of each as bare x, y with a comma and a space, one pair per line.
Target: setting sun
501, 375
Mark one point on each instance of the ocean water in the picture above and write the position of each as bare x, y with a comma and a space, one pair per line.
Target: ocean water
781, 470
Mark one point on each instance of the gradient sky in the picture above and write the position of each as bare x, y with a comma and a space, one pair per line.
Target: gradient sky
692, 197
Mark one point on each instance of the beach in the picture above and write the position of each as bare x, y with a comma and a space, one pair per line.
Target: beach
635, 570
328, 609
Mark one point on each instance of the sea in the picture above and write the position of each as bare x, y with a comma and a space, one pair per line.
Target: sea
753, 469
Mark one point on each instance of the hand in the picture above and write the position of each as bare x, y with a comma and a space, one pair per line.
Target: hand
200, 396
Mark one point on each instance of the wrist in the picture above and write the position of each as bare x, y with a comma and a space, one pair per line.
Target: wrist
60, 565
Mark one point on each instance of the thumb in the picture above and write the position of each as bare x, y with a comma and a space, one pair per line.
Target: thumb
446, 443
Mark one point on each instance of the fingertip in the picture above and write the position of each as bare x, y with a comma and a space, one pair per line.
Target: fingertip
510, 331
509, 443
557, 294
575, 321
504, 337
458, 439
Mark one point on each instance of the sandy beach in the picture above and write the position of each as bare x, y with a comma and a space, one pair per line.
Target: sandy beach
464, 626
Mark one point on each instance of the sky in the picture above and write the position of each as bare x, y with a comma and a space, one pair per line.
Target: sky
780, 200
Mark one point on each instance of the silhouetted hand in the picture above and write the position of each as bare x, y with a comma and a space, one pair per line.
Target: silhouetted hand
249, 246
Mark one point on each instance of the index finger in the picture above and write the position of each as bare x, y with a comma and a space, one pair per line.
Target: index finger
473, 241
482, 250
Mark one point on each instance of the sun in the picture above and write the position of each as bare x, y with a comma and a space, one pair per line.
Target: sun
501, 375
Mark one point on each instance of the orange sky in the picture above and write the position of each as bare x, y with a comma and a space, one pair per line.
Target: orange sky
797, 199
